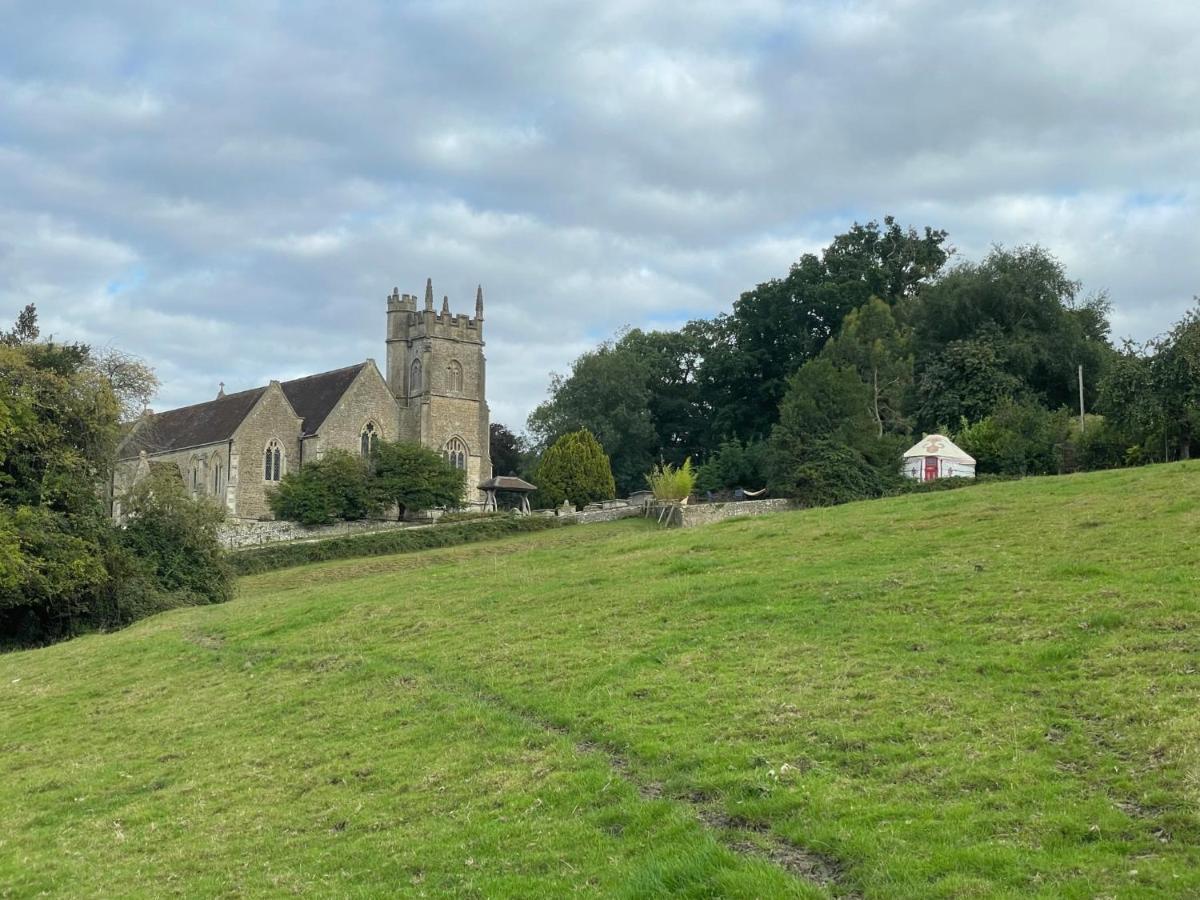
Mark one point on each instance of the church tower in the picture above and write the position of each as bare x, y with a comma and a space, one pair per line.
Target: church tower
435, 369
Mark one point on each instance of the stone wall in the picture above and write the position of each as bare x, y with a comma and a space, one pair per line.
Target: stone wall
243, 535
611, 514
368, 399
271, 418
706, 513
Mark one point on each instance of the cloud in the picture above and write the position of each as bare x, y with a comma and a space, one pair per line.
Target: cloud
231, 193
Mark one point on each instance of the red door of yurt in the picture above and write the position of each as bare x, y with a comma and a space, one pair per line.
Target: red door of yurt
931, 468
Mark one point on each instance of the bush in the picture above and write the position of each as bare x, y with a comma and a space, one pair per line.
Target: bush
1018, 438
574, 468
823, 473
174, 539
670, 484
323, 491
407, 540
414, 477
734, 465
1102, 445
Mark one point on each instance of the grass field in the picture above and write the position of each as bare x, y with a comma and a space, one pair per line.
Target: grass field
989, 692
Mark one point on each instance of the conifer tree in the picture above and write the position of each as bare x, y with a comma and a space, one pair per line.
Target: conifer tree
575, 468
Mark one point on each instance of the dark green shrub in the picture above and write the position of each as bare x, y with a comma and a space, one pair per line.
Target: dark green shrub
574, 468
823, 473
323, 491
734, 465
174, 539
414, 477
1018, 438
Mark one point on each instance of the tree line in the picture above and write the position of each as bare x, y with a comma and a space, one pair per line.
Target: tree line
65, 567
814, 383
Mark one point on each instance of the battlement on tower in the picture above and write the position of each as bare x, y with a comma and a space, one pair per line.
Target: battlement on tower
407, 322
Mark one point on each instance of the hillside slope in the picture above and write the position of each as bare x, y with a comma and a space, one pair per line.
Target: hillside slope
986, 692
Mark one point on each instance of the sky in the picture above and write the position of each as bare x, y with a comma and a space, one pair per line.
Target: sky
232, 193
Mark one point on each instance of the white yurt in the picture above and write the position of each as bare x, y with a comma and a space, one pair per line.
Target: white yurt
936, 456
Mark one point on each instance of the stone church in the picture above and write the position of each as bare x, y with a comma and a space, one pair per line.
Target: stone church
235, 448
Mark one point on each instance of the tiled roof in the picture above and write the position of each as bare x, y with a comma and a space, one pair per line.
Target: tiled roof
507, 483
313, 398
191, 426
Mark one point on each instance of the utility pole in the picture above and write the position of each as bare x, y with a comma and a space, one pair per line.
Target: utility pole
1081, 420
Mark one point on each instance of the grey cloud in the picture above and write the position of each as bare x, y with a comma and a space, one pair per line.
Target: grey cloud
232, 193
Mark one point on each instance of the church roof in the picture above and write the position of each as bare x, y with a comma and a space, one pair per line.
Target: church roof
312, 397
191, 426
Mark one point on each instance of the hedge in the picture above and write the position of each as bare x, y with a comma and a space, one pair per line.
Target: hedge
407, 540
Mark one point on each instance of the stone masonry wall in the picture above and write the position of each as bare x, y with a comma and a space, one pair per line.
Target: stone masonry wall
367, 399
271, 418
241, 535
706, 513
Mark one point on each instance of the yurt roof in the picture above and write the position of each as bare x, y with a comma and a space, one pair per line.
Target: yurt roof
938, 445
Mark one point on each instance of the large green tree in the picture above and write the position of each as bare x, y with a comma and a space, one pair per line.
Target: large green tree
780, 324
64, 567
1010, 326
629, 394
876, 346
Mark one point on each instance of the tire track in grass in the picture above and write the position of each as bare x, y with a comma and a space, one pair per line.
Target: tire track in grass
744, 837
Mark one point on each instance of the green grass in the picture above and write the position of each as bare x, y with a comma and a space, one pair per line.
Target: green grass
988, 693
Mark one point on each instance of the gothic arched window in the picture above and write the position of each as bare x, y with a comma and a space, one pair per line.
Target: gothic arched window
414, 377
456, 452
369, 439
454, 377
218, 476
273, 461
197, 475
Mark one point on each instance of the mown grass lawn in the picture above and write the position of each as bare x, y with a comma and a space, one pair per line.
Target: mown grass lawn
988, 692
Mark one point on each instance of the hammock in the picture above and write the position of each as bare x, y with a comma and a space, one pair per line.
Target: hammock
753, 494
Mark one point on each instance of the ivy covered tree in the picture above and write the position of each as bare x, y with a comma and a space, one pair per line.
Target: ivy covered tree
782, 323
574, 468
1011, 326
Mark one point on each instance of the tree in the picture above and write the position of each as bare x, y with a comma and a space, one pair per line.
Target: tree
877, 348
506, 450
1153, 391
779, 325
334, 487
608, 393
574, 468
1010, 326
64, 566
414, 478
965, 380
175, 538
25, 330
825, 447
132, 381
